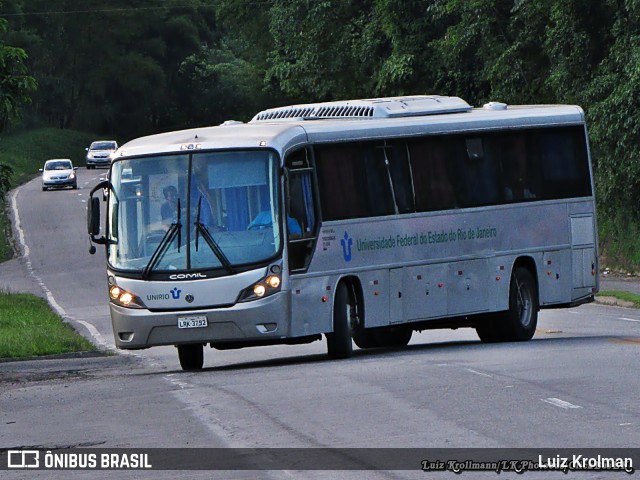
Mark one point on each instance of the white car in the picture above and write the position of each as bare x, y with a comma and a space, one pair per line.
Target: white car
59, 172
100, 152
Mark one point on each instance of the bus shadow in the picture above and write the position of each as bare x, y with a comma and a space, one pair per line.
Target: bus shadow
445, 347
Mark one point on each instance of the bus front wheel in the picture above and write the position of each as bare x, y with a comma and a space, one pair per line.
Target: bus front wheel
393, 337
191, 356
339, 341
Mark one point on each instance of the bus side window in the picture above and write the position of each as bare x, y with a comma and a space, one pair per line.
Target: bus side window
478, 174
430, 167
397, 156
563, 161
518, 183
375, 186
338, 179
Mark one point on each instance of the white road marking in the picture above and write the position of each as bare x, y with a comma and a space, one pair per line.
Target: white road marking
97, 337
629, 319
560, 403
479, 373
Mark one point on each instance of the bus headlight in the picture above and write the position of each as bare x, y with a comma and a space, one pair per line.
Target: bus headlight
123, 298
265, 287
273, 281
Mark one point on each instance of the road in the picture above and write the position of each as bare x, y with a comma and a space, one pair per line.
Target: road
574, 385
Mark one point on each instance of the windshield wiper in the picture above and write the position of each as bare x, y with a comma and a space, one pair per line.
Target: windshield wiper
175, 230
213, 245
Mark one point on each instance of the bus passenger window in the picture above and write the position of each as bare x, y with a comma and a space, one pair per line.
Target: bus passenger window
337, 179
563, 162
430, 168
515, 168
377, 187
397, 155
478, 171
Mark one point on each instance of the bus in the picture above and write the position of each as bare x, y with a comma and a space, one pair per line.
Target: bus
360, 220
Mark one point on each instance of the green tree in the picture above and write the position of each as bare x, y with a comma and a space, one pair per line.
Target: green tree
613, 97
475, 38
16, 85
577, 39
319, 50
112, 67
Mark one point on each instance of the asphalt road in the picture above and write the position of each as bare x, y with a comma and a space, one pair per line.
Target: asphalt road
574, 385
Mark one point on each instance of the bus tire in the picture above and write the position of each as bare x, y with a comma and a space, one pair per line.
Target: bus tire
339, 341
489, 329
191, 356
393, 336
364, 338
520, 321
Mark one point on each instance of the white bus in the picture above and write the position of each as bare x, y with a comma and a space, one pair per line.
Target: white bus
362, 220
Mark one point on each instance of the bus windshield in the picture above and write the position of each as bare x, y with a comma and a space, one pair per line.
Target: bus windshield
197, 211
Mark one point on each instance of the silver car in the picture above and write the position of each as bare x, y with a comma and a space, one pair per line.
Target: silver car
59, 172
100, 153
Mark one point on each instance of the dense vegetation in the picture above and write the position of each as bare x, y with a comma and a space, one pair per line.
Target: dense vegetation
126, 68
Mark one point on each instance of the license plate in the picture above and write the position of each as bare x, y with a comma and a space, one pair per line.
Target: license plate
192, 322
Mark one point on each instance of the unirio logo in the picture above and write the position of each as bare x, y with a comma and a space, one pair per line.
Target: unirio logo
346, 243
175, 294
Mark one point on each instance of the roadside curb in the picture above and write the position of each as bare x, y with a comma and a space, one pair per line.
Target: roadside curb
605, 300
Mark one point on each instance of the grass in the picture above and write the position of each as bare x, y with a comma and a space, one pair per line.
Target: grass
633, 298
29, 328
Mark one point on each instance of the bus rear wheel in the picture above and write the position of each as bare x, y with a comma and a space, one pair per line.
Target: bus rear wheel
521, 319
339, 341
191, 356
519, 322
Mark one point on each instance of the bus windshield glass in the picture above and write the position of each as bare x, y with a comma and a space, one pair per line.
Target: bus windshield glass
200, 211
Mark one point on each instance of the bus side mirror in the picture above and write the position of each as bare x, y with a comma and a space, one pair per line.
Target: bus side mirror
93, 216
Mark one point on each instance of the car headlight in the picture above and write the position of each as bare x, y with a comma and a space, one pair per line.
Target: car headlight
265, 287
72, 176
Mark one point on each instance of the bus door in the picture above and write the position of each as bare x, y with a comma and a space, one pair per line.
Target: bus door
301, 222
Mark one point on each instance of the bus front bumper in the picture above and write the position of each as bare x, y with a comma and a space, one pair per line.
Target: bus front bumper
266, 319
